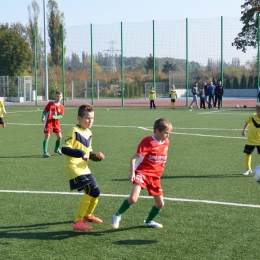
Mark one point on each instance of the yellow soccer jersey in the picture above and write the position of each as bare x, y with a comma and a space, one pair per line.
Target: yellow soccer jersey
173, 94
253, 137
77, 138
152, 95
2, 109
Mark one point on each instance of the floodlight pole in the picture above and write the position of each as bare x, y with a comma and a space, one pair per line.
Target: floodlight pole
45, 55
258, 61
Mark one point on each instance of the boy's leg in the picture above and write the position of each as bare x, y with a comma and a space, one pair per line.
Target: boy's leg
248, 161
126, 205
159, 203
83, 206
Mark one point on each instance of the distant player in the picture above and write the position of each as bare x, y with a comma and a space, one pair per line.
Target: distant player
50, 117
173, 96
78, 151
2, 113
146, 169
253, 138
152, 97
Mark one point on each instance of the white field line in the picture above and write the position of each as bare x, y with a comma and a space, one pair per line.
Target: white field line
126, 196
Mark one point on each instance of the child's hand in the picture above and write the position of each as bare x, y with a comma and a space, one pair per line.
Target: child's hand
43, 119
5, 113
244, 133
100, 156
85, 158
132, 176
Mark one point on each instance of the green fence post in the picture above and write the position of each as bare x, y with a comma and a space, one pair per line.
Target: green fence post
187, 63
122, 67
35, 67
258, 61
92, 66
222, 61
62, 64
154, 72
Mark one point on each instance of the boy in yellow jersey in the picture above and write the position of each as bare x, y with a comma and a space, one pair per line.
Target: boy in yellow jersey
78, 151
2, 113
253, 138
152, 97
173, 95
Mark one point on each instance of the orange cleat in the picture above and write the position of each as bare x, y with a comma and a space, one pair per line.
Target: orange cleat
92, 218
81, 226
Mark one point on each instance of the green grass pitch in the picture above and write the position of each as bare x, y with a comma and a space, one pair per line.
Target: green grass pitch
211, 211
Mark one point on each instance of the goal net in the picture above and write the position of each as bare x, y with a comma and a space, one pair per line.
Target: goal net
160, 89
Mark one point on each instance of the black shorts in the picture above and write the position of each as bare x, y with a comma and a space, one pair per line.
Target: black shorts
81, 181
250, 148
172, 100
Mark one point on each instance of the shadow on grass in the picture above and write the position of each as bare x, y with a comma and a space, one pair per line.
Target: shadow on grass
134, 242
38, 232
23, 156
192, 176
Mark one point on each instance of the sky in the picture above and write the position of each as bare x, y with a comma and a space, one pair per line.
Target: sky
106, 16
82, 12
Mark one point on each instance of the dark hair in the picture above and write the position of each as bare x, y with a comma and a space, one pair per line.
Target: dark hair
161, 124
83, 108
58, 92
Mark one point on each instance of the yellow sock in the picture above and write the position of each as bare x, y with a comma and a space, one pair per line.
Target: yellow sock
92, 205
83, 206
248, 161
173, 104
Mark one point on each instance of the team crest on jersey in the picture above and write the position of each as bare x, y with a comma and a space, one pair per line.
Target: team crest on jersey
59, 110
165, 150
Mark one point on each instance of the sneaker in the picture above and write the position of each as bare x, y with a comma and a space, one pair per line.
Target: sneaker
190, 107
247, 172
4, 126
198, 107
46, 155
92, 218
153, 224
58, 151
115, 221
81, 226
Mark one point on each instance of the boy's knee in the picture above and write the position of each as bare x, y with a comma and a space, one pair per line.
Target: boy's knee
159, 205
132, 200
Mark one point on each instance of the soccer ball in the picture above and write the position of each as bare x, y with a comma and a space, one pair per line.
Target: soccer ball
242, 106
237, 105
257, 174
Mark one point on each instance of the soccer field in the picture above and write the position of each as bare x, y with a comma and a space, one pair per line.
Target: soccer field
211, 211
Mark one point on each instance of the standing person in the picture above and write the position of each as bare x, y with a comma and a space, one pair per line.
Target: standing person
195, 92
206, 91
2, 113
211, 94
146, 169
50, 117
78, 151
152, 97
173, 96
219, 92
253, 138
202, 98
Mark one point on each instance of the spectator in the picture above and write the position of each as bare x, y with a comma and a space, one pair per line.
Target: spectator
211, 94
219, 91
195, 93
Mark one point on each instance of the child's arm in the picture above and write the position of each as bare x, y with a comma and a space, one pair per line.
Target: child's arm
44, 113
96, 156
4, 110
132, 167
244, 130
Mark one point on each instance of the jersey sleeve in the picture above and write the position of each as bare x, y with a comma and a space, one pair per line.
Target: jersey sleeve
70, 139
144, 147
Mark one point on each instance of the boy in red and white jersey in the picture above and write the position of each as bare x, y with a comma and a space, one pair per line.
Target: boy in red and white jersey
50, 117
146, 169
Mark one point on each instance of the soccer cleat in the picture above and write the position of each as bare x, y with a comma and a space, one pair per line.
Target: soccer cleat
153, 224
246, 172
92, 218
115, 221
46, 155
81, 226
4, 126
58, 151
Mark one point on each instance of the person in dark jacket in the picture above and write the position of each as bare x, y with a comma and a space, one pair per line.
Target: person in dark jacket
211, 94
219, 91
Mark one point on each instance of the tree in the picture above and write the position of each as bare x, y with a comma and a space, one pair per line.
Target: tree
251, 82
15, 53
243, 82
235, 83
248, 35
167, 66
55, 21
33, 11
149, 64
